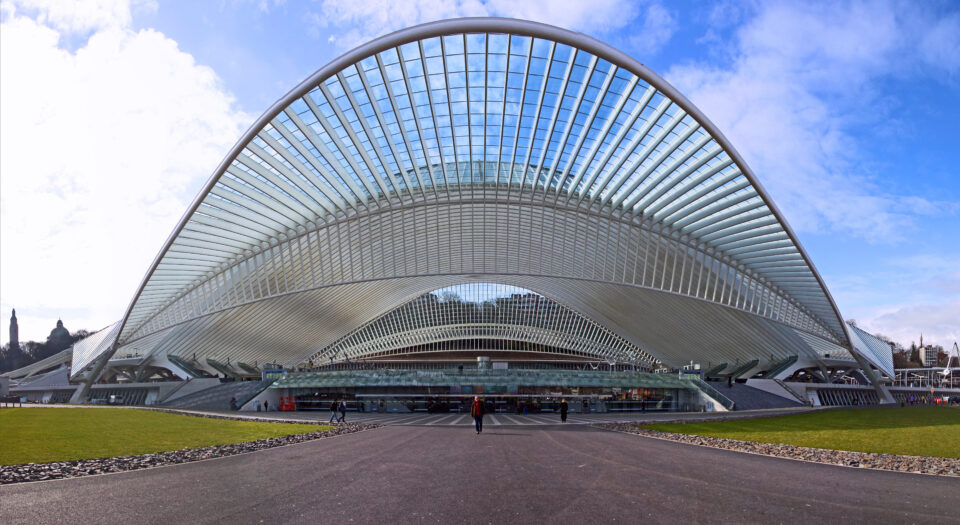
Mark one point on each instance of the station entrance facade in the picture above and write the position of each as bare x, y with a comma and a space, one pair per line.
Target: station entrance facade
518, 350
525, 390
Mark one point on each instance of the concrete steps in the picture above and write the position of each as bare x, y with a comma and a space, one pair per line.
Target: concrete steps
216, 397
749, 398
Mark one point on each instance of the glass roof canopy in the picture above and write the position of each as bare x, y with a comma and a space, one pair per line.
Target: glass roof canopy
481, 148
499, 318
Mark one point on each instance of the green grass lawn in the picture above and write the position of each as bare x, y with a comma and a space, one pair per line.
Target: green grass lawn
39, 435
914, 431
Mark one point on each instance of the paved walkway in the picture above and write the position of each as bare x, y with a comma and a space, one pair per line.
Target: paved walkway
513, 419
518, 474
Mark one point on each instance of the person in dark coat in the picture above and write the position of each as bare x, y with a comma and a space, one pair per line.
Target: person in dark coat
333, 411
563, 410
476, 412
343, 411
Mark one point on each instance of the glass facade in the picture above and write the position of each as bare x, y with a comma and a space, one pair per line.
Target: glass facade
520, 391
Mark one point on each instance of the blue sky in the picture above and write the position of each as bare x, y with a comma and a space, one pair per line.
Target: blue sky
114, 113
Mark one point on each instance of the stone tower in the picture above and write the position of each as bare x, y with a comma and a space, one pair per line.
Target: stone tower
14, 331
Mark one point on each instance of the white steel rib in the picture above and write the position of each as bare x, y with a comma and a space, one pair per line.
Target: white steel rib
483, 151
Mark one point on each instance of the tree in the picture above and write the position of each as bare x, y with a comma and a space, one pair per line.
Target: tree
31, 351
10, 358
451, 297
901, 360
914, 353
942, 357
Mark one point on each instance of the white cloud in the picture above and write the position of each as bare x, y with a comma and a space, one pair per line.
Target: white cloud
353, 22
82, 16
940, 44
794, 91
802, 78
103, 149
726, 13
658, 27
938, 322
904, 295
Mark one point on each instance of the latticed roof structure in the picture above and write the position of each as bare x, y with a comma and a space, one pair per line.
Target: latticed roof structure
482, 151
481, 316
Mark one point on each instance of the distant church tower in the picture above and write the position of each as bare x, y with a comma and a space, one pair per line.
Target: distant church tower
14, 331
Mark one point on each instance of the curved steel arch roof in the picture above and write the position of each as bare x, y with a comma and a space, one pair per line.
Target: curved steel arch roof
483, 147
483, 311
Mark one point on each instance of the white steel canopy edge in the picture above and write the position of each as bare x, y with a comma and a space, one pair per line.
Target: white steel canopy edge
289, 330
225, 237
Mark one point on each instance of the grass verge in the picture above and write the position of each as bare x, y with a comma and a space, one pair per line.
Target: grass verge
912, 431
40, 435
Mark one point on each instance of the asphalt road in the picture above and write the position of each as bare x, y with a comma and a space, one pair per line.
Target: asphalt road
510, 418
419, 474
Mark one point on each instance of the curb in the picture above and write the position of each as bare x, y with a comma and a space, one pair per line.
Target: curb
788, 451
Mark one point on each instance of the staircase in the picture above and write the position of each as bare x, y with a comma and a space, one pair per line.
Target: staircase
250, 369
223, 369
218, 397
173, 391
791, 391
711, 392
749, 398
715, 370
779, 367
742, 369
186, 366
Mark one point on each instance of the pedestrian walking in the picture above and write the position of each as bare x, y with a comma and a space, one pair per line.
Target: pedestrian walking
563, 410
266, 406
333, 411
476, 412
343, 411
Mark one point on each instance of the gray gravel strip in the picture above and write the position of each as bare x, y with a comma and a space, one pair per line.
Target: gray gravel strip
88, 467
892, 462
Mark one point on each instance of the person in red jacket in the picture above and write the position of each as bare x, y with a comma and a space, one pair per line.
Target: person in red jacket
476, 412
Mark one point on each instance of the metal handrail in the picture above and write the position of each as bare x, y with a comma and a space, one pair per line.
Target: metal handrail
172, 391
790, 391
780, 366
263, 386
712, 392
